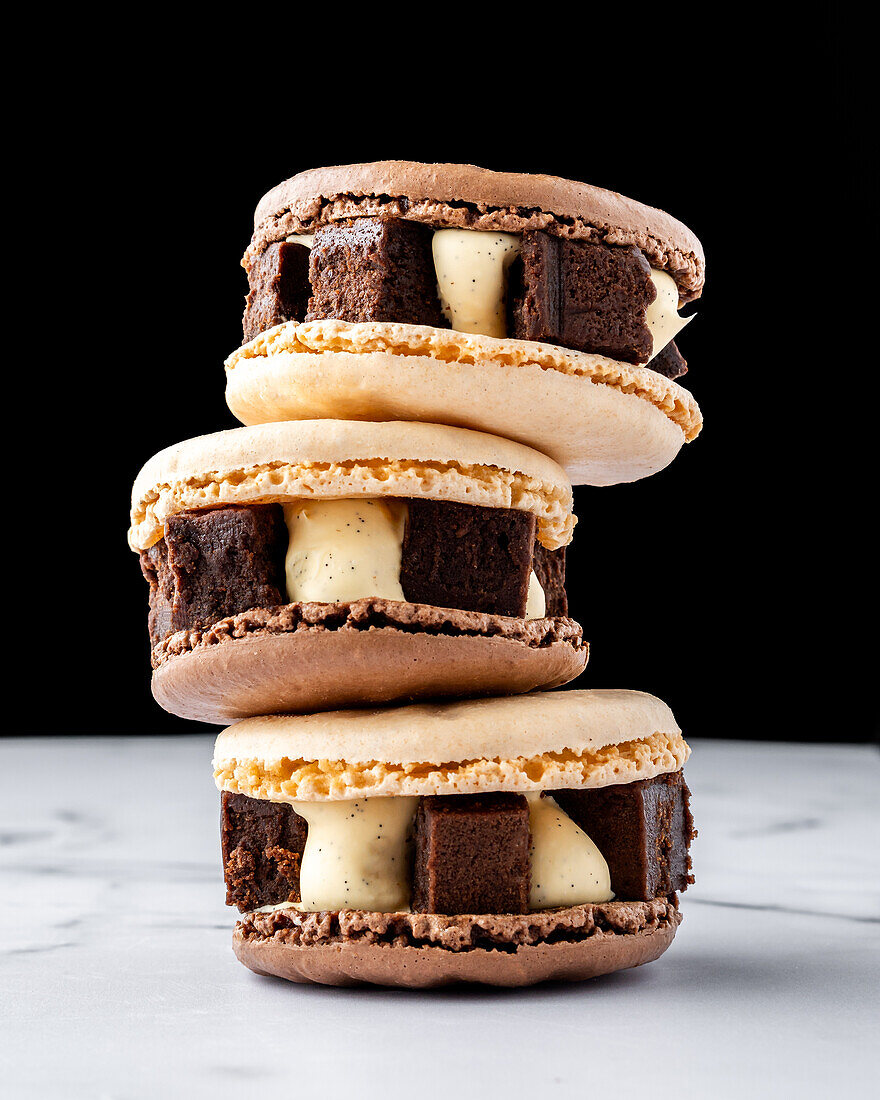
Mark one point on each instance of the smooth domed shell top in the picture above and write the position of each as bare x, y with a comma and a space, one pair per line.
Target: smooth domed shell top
274, 463
466, 196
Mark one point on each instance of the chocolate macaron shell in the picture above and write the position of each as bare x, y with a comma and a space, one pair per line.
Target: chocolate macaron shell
604, 422
318, 670
644, 931
465, 196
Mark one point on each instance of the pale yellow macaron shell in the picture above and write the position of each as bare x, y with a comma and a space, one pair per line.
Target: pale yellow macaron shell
333, 459
543, 741
603, 421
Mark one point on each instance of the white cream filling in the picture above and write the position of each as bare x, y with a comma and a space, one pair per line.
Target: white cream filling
356, 854
567, 867
472, 269
305, 239
536, 603
662, 316
344, 549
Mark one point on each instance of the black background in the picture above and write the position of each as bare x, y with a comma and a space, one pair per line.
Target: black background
707, 584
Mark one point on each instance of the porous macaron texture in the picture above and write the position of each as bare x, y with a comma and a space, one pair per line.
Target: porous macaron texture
334, 459
604, 422
448, 346
543, 741
465, 196
424, 951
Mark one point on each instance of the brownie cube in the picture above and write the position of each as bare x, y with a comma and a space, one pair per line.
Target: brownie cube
374, 269
154, 566
279, 288
262, 844
467, 556
643, 830
591, 297
549, 567
472, 854
669, 362
215, 563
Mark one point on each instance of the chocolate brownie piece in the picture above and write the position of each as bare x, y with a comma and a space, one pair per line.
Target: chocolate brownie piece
374, 269
467, 556
591, 297
643, 830
215, 563
472, 854
279, 288
669, 362
262, 845
154, 566
549, 567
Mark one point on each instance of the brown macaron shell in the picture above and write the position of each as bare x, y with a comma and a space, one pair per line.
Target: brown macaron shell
465, 196
308, 670
355, 962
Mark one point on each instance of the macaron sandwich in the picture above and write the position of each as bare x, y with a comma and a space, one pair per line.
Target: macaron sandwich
505, 841
368, 579
531, 307
319, 564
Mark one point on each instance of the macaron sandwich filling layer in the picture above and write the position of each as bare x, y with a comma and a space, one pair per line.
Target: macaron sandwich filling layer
219, 562
591, 297
491, 853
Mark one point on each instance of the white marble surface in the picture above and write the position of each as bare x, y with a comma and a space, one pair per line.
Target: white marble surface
117, 978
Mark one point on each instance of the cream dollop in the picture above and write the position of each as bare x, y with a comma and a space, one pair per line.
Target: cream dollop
344, 549
662, 316
567, 867
305, 239
357, 854
471, 269
536, 603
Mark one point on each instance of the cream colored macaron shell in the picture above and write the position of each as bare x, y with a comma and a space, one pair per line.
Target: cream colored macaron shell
333, 459
603, 421
543, 741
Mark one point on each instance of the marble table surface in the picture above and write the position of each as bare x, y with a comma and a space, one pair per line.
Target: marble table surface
117, 977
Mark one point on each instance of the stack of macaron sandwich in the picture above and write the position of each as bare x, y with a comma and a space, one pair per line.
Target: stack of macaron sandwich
366, 582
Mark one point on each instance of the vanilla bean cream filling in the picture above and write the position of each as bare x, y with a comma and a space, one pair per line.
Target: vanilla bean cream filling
567, 867
342, 550
472, 269
358, 855
662, 316
536, 603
